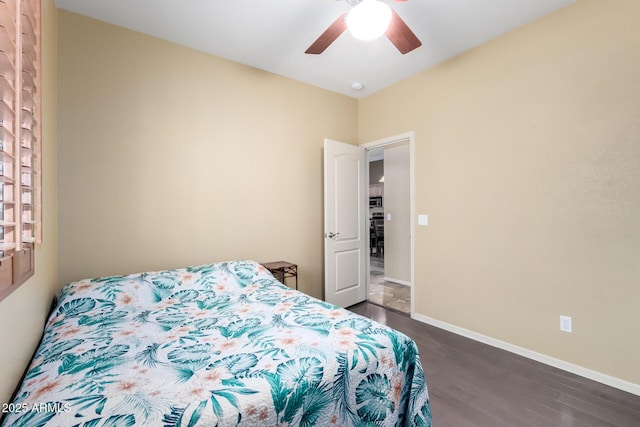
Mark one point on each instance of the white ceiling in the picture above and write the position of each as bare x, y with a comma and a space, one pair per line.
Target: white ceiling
272, 35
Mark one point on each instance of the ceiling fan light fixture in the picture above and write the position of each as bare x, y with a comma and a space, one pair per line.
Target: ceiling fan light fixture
369, 19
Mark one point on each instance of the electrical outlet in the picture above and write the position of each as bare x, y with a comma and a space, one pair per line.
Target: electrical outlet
565, 324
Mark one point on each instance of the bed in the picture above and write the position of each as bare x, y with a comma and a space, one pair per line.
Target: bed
222, 344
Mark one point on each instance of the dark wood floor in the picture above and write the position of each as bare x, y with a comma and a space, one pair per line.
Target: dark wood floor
473, 384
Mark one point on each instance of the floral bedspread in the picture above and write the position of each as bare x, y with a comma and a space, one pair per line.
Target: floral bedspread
215, 345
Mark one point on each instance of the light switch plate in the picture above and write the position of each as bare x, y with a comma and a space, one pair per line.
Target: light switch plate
423, 219
388, 217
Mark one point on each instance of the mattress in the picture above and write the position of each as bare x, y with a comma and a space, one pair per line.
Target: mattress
222, 344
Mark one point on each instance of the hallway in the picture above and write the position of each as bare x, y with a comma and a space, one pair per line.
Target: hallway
387, 294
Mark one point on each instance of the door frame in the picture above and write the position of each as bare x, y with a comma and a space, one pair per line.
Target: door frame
380, 143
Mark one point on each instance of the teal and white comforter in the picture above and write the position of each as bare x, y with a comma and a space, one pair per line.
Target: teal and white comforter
215, 345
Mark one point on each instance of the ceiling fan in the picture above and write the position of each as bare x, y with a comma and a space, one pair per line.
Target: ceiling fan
395, 28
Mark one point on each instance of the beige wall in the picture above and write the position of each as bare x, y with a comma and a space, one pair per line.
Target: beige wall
527, 155
22, 314
397, 203
171, 157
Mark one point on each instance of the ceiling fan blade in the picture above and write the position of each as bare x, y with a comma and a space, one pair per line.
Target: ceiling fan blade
401, 35
329, 36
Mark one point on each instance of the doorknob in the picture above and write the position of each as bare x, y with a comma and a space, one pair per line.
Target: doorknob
332, 235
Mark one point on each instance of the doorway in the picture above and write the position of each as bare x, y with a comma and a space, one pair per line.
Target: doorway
390, 213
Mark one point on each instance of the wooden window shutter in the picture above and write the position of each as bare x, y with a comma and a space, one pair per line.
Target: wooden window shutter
20, 139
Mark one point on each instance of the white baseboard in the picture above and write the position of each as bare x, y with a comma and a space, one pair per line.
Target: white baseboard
398, 281
539, 357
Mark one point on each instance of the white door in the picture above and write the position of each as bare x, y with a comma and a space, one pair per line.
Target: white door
345, 223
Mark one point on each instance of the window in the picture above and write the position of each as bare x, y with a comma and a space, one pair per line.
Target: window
20, 135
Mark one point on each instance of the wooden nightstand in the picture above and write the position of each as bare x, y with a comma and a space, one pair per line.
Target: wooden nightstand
282, 269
